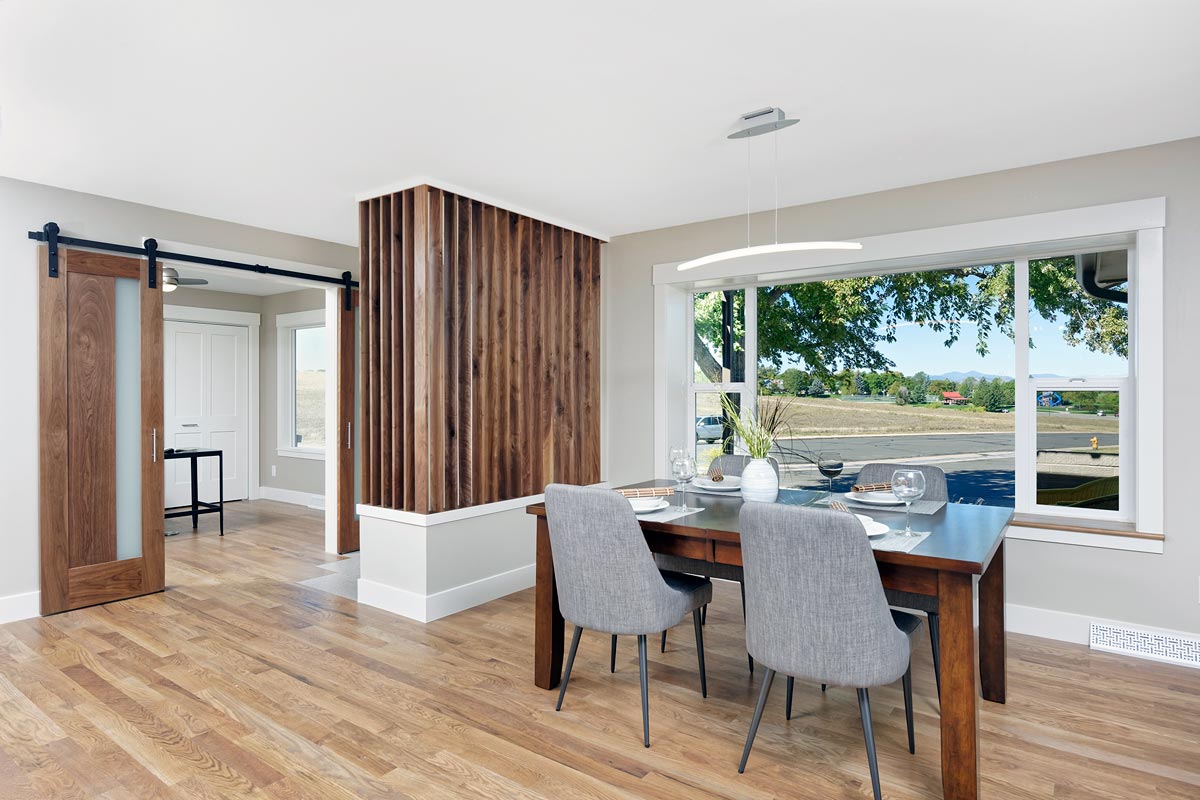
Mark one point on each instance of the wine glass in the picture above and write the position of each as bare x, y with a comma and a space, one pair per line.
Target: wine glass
830, 465
682, 474
908, 485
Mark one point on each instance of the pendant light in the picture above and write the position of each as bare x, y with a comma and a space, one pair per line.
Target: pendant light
758, 123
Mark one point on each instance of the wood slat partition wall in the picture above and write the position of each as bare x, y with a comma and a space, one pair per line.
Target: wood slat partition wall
480, 355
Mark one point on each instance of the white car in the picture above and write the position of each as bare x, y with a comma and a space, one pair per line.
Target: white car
709, 429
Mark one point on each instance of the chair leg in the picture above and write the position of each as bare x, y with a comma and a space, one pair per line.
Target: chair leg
908, 712
935, 642
864, 709
645, 694
704, 615
664, 642
699, 625
822, 687
612, 661
562, 690
790, 685
749, 658
758, 710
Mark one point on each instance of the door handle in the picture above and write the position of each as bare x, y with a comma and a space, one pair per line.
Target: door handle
349, 439
190, 425
153, 445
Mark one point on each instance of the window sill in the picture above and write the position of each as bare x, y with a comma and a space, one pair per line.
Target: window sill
1085, 533
295, 452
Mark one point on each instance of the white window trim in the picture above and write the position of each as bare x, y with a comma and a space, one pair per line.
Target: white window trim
1136, 225
285, 327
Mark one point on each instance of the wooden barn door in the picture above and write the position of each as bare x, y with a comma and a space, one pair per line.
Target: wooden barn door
100, 429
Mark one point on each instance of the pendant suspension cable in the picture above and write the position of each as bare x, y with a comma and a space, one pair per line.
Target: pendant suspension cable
747, 191
775, 139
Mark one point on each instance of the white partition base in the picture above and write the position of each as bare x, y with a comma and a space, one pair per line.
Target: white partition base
426, 567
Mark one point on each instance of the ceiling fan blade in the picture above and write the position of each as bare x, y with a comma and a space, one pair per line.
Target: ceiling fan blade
191, 281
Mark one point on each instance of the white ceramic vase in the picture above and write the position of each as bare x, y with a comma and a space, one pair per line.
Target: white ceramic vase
759, 481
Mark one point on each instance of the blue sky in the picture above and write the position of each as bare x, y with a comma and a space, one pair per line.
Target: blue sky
918, 348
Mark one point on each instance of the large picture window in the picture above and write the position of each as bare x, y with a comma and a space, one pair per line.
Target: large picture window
1011, 376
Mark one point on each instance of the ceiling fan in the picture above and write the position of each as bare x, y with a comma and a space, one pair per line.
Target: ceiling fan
171, 280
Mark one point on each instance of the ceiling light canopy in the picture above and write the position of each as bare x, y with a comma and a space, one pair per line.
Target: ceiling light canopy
757, 123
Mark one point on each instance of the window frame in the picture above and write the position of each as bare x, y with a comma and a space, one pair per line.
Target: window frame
1136, 225
286, 326
740, 388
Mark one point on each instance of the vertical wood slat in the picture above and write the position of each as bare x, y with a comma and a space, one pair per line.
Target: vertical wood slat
385, 352
395, 246
464, 378
481, 352
408, 363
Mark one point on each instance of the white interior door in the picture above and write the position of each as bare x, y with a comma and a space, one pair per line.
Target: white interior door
206, 403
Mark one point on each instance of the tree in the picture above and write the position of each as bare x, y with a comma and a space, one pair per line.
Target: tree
839, 324
918, 388
902, 395
816, 388
936, 387
894, 389
860, 384
794, 381
967, 387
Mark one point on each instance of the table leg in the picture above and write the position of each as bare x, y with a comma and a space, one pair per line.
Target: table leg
960, 731
221, 489
195, 494
992, 652
548, 621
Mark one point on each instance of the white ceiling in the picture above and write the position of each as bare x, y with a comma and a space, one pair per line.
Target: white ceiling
609, 117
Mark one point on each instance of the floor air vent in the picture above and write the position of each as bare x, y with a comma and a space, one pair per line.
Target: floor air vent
1168, 647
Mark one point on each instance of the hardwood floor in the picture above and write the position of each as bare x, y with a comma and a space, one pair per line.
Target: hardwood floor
239, 682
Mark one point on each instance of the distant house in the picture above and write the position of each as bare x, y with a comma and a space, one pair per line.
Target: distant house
954, 399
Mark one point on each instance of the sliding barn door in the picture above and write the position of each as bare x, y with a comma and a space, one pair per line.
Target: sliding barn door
100, 429
347, 464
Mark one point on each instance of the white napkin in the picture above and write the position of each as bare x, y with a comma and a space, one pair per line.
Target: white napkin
668, 514
898, 542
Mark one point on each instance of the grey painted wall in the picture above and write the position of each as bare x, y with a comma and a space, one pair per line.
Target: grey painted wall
296, 474
1159, 590
27, 206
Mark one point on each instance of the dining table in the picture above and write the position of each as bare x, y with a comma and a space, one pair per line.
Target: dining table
959, 563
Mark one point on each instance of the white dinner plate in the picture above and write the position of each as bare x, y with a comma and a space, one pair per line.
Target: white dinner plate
731, 483
876, 498
874, 529
645, 505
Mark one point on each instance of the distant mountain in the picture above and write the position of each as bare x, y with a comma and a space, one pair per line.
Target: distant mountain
976, 374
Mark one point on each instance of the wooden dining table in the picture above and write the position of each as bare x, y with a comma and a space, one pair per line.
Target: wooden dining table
963, 556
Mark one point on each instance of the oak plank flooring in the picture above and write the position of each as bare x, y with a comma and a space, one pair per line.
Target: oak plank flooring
239, 682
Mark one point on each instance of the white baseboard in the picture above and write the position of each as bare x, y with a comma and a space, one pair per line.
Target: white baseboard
1077, 628
427, 608
20, 606
291, 496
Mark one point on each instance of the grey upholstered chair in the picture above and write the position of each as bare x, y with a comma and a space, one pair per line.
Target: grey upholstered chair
607, 579
815, 609
935, 489
730, 464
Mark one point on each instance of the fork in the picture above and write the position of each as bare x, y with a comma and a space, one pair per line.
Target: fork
838, 505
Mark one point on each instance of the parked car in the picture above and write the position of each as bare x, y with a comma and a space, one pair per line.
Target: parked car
709, 429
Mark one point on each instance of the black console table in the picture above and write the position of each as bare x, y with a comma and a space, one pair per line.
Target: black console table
198, 506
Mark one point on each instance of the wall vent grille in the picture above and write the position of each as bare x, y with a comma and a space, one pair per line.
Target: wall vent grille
1171, 648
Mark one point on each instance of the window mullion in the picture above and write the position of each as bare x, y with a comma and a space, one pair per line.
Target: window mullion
1025, 446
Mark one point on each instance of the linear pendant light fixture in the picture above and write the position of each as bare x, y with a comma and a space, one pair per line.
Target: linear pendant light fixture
757, 123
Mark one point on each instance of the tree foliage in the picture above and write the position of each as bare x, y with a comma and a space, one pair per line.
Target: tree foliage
838, 325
